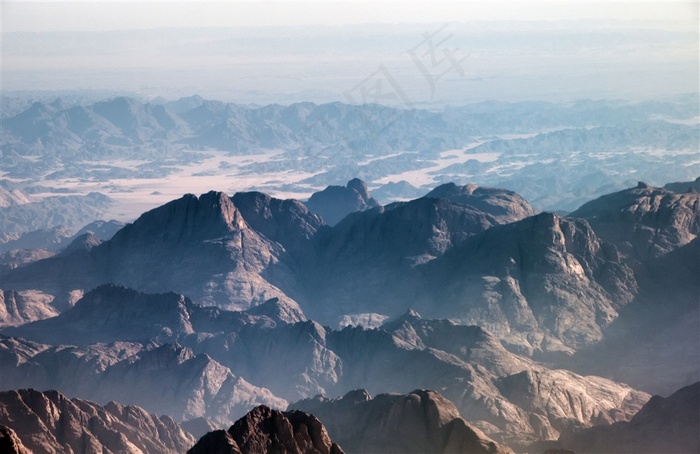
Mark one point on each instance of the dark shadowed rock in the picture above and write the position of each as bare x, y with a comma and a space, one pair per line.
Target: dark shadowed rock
266, 430
668, 425
336, 202
422, 421
83, 242
49, 422
684, 186
10, 443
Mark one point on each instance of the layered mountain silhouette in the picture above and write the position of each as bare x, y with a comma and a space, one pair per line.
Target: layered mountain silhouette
168, 379
147, 317
129, 345
421, 421
50, 422
476, 255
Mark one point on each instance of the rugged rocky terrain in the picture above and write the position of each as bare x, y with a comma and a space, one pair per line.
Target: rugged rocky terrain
655, 231
335, 202
18, 308
267, 430
418, 422
50, 422
524, 313
661, 220
663, 425
169, 379
211, 358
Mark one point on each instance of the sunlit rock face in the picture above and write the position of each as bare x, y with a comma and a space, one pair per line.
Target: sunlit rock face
52, 423
663, 425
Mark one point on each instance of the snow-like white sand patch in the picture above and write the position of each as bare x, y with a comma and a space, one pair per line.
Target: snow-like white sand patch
426, 176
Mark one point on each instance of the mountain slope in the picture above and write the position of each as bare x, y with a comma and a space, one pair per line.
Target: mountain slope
644, 222
418, 422
168, 379
335, 202
17, 308
199, 246
52, 423
663, 425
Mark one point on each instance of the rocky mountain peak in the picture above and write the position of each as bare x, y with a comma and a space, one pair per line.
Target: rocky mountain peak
644, 221
84, 242
360, 187
506, 206
287, 222
212, 215
279, 311
267, 430
336, 202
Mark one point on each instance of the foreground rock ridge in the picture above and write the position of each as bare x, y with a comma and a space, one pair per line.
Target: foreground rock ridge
49, 422
418, 422
266, 430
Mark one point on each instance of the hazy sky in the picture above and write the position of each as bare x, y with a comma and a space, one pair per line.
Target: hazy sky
116, 15
266, 52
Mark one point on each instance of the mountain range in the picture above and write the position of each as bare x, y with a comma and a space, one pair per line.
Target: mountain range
558, 155
209, 306
50, 422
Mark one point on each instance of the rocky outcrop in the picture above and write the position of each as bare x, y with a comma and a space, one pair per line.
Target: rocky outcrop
336, 202
17, 308
663, 425
421, 421
50, 422
202, 247
506, 206
267, 430
644, 222
545, 275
